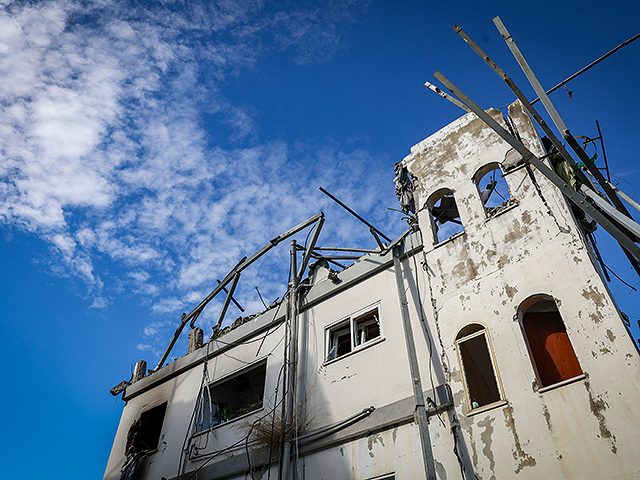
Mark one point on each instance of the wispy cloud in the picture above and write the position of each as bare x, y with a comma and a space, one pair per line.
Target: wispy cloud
104, 151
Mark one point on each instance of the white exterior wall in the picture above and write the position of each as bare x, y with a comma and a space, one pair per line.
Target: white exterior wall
585, 429
328, 392
180, 393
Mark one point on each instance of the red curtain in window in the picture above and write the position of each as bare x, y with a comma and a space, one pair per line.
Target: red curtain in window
551, 348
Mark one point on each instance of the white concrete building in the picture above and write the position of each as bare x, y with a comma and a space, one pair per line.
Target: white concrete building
526, 366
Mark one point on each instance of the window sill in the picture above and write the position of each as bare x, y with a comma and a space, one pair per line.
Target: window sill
358, 349
562, 383
449, 239
229, 422
501, 210
491, 406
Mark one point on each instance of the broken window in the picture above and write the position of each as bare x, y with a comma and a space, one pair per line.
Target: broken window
144, 434
476, 362
231, 397
553, 357
352, 333
493, 188
445, 218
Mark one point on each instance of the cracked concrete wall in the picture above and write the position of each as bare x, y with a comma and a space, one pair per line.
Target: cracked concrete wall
586, 428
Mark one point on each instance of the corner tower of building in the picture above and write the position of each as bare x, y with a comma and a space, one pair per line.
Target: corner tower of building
544, 373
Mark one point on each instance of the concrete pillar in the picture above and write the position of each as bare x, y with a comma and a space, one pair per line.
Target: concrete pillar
196, 337
140, 371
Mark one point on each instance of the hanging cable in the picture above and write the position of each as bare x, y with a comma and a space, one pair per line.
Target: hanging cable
424, 322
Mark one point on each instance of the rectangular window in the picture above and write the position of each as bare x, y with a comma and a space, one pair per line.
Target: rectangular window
144, 434
353, 333
231, 397
476, 363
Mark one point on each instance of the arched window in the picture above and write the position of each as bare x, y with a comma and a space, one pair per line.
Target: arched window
551, 351
445, 218
493, 188
476, 363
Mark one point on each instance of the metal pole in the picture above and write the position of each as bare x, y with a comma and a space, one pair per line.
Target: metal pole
227, 301
575, 197
373, 229
446, 96
243, 264
310, 247
290, 424
604, 154
561, 126
416, 382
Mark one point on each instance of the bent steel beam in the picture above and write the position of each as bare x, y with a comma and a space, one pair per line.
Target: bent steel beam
555, 116
561, 126
243, 264
579, 200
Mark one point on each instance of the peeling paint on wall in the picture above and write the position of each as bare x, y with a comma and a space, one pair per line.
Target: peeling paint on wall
598, 406
522, 458
594, 295
510, 291
486, 439
372, 440
440, 470
517, 231
547, 417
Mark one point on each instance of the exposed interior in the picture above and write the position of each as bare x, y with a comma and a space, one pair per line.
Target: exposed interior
477, 365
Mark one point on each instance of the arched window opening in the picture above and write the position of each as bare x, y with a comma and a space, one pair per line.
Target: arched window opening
445, 218
551, 351
494, 190
476, 363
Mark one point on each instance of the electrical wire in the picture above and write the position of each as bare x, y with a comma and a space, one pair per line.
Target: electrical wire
193, 414
243, 439
455, 424
424, 322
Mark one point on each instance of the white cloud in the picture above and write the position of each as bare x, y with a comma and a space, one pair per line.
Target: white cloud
103, 151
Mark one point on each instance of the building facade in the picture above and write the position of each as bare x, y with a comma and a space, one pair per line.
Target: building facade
491, 318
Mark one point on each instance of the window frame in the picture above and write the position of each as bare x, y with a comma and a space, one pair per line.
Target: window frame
482, 331
434, 198
205, 395
522, 310
144, 427
509, 203
351, 322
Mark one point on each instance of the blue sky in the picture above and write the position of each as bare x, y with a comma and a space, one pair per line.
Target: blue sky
146, 147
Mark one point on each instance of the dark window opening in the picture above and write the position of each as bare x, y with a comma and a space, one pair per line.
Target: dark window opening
477, 366
144, 434
231, 397
549, 344
494, 190
339, 340
352, 333
366, 328
445, 218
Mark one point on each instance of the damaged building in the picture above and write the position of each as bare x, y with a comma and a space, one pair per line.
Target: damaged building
483, 343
